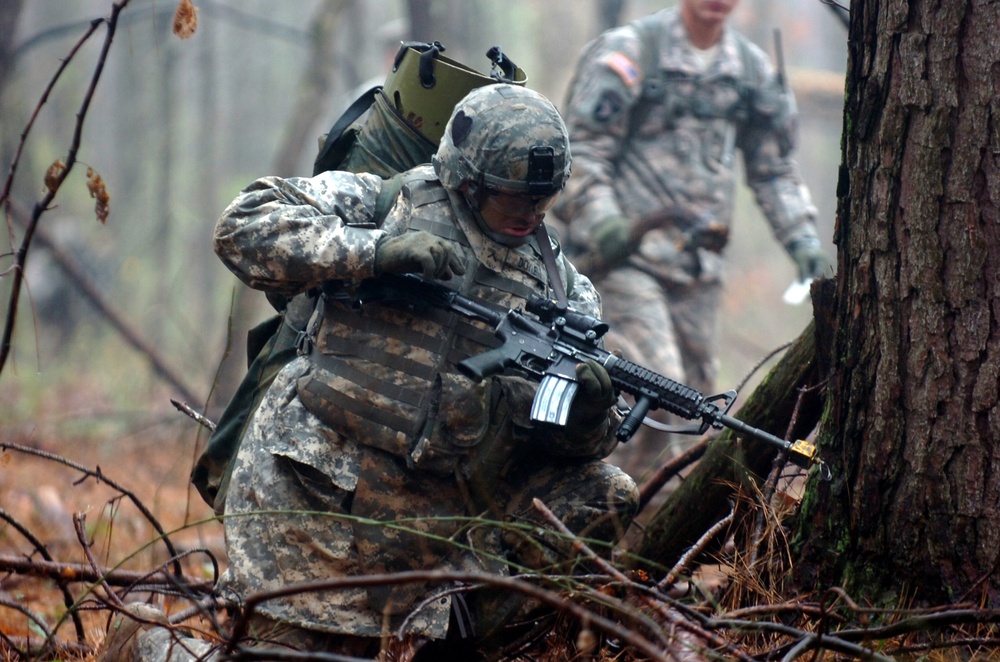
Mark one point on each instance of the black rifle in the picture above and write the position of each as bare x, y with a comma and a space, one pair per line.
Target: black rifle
547, 341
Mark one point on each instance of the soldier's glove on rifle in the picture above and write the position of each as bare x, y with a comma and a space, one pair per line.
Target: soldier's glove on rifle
418, 252
594, 397
809, 258
613, 239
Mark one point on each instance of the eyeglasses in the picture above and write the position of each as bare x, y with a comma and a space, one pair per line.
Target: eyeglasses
518, 204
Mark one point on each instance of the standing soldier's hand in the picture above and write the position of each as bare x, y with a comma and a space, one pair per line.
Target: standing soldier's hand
613, 239
809, 258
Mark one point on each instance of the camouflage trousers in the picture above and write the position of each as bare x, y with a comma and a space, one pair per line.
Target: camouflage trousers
670, 329
305, 505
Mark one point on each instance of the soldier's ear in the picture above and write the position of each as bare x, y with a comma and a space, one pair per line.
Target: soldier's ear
472, 193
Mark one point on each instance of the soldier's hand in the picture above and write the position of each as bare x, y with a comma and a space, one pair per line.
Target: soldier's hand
613, 239
595, 395
418, 252
809, 258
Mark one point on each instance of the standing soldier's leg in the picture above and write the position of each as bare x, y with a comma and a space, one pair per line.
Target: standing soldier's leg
635, 307
694, 311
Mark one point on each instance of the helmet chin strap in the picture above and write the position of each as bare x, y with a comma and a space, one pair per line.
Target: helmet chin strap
503, 239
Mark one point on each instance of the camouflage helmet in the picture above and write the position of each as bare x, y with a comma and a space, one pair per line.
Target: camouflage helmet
504, 138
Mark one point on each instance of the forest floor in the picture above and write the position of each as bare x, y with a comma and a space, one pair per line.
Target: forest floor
53, 486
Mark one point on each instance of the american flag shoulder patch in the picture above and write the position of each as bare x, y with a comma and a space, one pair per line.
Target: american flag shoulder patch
624, 67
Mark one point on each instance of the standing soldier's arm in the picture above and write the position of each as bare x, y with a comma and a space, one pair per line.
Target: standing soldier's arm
606, 86
767, 140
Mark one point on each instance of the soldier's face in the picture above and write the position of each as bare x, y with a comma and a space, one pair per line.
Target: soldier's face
514, 215
709, 12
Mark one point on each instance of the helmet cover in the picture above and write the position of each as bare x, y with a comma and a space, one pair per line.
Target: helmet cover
507, 139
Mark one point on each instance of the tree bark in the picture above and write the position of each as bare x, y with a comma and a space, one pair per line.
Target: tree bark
913, 428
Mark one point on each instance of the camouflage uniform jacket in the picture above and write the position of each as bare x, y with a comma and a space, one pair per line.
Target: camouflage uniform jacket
288, 235
651, 129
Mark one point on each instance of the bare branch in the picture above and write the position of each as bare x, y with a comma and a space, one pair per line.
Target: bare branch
52, 189
101, 478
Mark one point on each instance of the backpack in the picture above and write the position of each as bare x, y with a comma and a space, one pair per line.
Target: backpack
376, 133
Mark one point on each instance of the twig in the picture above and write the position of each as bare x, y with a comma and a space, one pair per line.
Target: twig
80, 572
649, 489
241, 623
804, 640
81, 534
53, 186
658, 605
63, 584
203, 607
697, 548
78, 276
63, 649
186, 408
38, 621
101, 478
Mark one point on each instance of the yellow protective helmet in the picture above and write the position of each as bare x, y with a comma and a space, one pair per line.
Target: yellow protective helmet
424, 86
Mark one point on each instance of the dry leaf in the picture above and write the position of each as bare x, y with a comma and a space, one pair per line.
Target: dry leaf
97, 191
53, 174
185, 19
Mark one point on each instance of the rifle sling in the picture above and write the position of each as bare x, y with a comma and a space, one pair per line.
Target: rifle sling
545, 246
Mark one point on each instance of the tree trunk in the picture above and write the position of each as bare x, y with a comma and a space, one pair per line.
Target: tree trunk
609, 14
421, 25
10, 10
318, 77
913, 428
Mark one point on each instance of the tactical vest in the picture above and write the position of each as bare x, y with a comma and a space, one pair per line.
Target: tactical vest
386, 377
752, 100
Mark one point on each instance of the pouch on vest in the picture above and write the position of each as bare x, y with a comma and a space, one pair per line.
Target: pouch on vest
446, 428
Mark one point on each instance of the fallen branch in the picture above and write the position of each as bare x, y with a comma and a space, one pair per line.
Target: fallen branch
78, 276
82, 572
101, 478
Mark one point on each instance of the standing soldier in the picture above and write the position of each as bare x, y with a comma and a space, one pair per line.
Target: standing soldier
656, 112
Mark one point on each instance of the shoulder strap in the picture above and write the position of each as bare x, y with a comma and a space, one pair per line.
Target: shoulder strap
329, 157
652, 83
748, 63
387, 197
545, 246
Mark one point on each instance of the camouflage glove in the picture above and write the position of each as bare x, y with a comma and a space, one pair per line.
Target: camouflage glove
809, 258
418, 252
595, 395
613, 239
